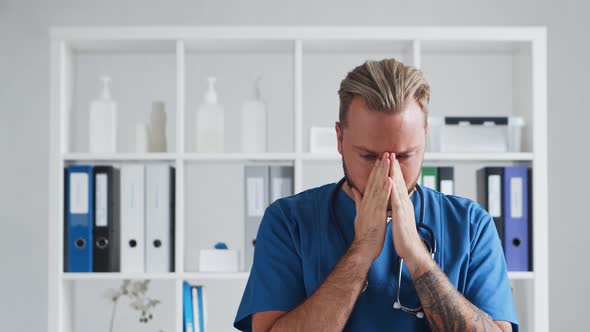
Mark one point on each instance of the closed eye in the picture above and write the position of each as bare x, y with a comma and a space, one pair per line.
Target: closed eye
368, 156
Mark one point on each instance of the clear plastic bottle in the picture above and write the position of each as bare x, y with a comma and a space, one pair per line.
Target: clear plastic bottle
254, 123
102, 122
209, 127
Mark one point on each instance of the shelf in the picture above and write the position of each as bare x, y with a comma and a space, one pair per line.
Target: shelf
321, 156
216, 275
119, 276
206, 276
472, 47
429, 156
493, 156
339, 47
120, 157
442, 156
158, 276
239, 46
123, 46
525, 275
239, 156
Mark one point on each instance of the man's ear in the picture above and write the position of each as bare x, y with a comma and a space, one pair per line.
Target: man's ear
339, 136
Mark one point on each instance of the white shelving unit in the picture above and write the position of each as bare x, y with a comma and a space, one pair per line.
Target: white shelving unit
472, 71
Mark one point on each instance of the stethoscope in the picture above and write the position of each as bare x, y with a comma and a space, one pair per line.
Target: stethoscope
431, 248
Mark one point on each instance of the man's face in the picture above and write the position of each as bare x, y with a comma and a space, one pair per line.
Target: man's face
370, 133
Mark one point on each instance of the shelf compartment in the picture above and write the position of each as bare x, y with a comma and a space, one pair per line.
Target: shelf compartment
236, 64
325, 63
141, 72
90, 306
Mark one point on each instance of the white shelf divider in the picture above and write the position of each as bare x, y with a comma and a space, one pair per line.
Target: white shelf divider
540, 303
298, 120
417, 53
180, 138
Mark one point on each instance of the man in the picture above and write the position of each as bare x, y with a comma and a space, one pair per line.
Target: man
328, 259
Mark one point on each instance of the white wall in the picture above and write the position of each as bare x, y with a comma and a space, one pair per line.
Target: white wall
24, 122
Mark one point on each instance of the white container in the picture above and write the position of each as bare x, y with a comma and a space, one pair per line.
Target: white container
219, 260
254, 123
139, 138
157, 128
515, 125
209, 129
102, 122
475, 135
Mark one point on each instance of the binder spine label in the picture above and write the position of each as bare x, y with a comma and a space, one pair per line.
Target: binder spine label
430, 182
255, 197
494, 196
446, 187
516, 192
101, 200
79, 193
280, 186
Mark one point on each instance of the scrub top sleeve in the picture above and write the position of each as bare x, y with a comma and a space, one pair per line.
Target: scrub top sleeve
276, 277
488, 286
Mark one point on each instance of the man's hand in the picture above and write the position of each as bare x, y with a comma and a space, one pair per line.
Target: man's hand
406, 240
445, 308
371, 220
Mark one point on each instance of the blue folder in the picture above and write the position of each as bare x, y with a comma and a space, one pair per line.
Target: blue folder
187, 299
201, 308
516, 218
80, 218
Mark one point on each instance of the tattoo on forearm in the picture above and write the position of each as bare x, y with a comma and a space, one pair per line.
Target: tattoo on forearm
446, 309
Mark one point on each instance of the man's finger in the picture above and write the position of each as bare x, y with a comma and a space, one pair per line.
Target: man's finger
376, 182
398, 184
369, 185
399, 177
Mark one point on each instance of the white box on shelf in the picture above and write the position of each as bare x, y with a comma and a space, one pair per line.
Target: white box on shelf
478, 134
219, 260
322, 140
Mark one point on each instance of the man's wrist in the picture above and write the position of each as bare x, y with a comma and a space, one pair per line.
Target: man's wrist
419, 262
361, 256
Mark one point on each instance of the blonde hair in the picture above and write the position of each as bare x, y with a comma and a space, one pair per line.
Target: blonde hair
385, 85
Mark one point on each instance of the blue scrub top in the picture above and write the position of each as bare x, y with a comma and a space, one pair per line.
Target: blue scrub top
297, 246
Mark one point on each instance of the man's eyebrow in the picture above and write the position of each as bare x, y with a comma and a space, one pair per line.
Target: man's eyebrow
362, 148
358, 147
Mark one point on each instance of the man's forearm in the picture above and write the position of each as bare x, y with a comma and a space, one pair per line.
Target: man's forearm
330, 306
444, 307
